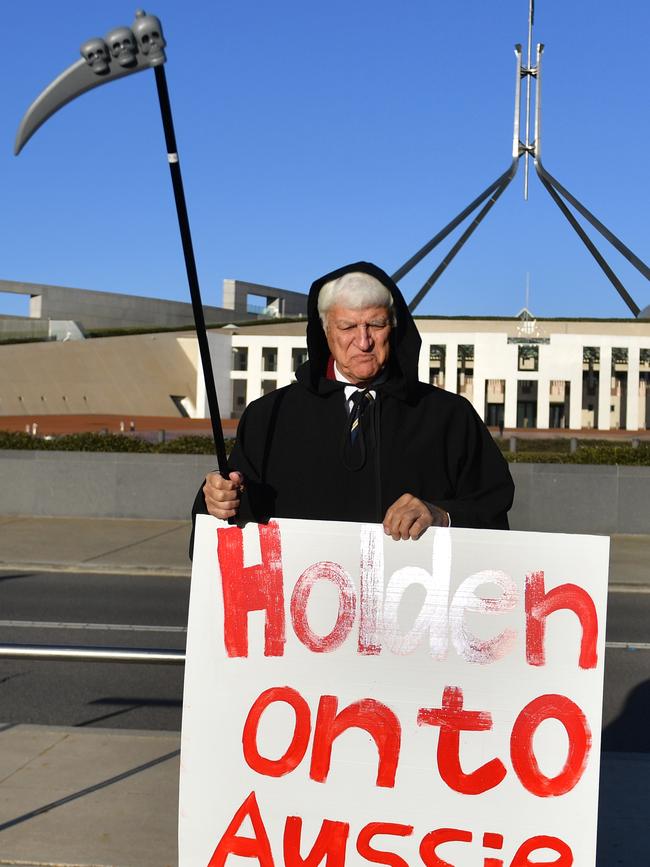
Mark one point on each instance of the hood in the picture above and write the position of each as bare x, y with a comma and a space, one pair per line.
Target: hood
404, 339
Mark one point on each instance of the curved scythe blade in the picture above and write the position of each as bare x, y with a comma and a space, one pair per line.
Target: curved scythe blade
72, 82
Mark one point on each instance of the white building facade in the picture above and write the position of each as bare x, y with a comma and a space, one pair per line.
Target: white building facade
518, 373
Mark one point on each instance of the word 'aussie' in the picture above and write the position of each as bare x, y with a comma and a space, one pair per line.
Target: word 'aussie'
331, 844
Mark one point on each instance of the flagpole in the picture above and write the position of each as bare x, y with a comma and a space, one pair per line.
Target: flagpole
529, 72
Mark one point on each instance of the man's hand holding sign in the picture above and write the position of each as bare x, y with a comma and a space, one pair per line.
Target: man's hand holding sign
223, 495
407, 518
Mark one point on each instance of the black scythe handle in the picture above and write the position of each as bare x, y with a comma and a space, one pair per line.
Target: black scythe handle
190, 266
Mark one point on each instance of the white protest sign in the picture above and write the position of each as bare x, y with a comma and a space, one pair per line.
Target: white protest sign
353, 700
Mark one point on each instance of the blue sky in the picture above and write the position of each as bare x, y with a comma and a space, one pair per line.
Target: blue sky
315, 134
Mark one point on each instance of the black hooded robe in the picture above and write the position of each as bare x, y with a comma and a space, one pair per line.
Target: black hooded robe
420, 440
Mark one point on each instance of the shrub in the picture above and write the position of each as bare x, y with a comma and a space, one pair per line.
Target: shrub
18, 440
538, 458
192, 445
599, 453
558, 446
588, 452
97, 442
624, 455
109, 442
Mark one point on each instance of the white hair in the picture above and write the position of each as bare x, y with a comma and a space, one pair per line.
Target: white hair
355, 290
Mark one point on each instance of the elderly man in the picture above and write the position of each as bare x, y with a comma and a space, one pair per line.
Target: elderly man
357, 437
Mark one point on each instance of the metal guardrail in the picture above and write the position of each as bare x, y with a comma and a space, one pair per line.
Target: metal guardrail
154, 656
92, 654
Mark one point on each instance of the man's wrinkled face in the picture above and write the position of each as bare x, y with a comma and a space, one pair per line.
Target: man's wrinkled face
359, 341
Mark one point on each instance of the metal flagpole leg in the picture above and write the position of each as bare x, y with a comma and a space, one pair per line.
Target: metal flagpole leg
589, 244
461, 241
442, 234
631, 257
190, 265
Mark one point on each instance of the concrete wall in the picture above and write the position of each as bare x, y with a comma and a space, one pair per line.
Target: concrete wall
116, 310
108, 485
93, 309
551, 498
109, 375
282, 301
574, 498
21, 327
220, 356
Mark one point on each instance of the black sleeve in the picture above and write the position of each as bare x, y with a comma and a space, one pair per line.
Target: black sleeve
484, 486
247, 458
198, 508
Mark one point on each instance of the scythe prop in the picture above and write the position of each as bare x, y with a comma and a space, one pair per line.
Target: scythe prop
124, 52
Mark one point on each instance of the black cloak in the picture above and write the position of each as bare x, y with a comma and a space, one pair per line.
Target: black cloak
421, 440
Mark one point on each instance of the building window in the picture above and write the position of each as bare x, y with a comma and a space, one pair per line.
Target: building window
559, 403
437, 365
240, 358
255, 304
269, 385
527, 403
590, 385
494, 415
238, 397
618, 412
495, 397
465, 370
270, 359
528, 357
298, 357
590, 363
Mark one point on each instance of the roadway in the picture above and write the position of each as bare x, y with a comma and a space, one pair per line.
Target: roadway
150, 611
143, 611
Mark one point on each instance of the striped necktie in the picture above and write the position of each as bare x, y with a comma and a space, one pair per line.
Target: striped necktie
361, 400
